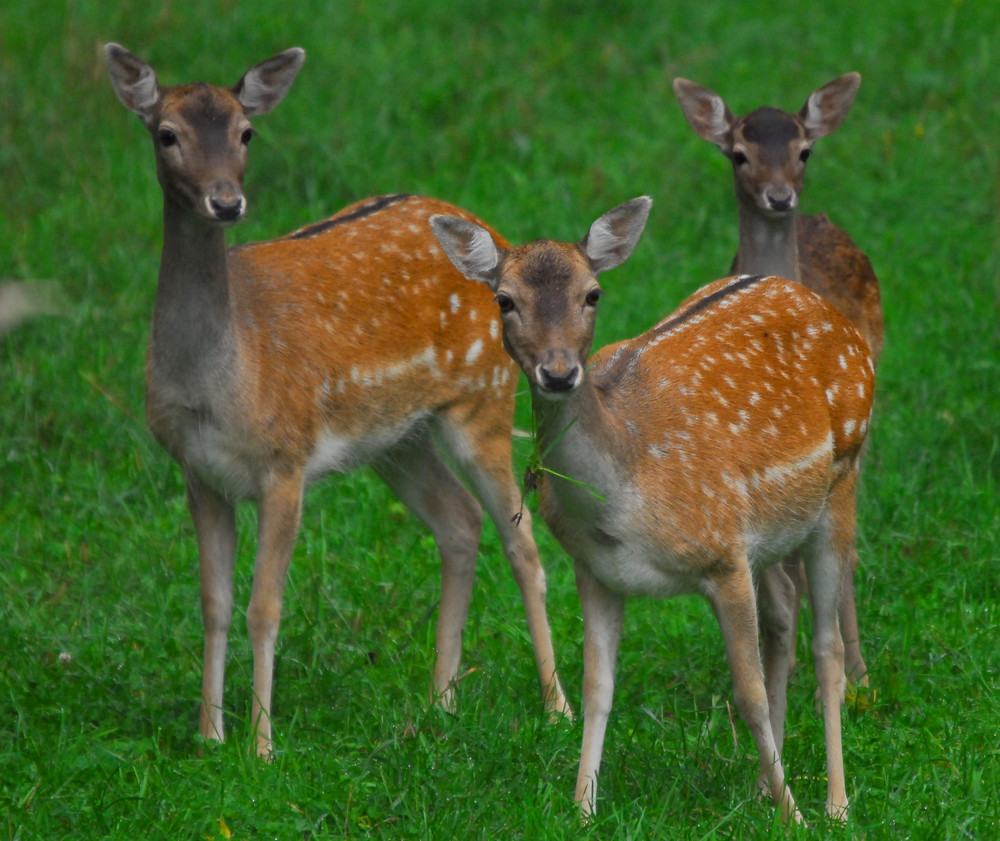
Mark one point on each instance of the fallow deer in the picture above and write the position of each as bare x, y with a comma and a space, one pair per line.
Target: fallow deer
690, 459
768, 149
352, 341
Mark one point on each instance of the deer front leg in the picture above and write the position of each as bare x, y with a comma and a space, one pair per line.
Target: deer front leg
215, 526
603, 612
522, 554
482, 450
732, 598
279, 513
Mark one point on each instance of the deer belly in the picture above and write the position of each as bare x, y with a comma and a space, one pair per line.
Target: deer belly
630, 570
230, 462
338, 452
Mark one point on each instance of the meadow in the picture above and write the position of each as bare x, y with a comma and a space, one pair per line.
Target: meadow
538, 117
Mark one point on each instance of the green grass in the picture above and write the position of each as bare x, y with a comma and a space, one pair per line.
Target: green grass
538, 116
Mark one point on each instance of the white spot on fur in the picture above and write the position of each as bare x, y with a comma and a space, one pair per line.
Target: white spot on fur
475, 349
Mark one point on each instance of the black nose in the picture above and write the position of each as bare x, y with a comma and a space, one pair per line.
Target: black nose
780, 197
561, 381
227, 210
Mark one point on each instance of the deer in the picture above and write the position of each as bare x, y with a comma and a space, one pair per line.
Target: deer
351, 341
690, 459
768, 149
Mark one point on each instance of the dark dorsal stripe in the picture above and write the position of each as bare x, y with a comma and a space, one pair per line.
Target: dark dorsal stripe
627, 356
707, 301
369, 208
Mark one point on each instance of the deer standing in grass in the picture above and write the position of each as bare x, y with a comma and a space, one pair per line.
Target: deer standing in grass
352, 341
695, 456
768, 149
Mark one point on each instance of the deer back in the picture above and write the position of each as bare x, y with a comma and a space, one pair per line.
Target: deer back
833, 266
352, 329
728, 423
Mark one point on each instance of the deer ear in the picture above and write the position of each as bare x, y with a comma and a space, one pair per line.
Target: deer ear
706, 113
469, 247
264, 85
133, 80
612, 238
826, 108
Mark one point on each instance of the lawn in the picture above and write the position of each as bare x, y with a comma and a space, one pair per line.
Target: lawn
538, 117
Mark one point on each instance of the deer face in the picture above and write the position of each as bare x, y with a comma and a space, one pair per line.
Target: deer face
200, 132
769, 151
200, 135
768, 147
548, 293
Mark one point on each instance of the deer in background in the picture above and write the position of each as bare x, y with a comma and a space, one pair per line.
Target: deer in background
768, 149
352, 341
690, 460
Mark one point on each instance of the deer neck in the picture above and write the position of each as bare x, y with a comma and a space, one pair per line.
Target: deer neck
192, 333
581, 440
768, 245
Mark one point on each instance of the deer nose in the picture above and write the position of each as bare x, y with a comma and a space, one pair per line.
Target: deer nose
780, 198
558, 371
559, 382
226, 208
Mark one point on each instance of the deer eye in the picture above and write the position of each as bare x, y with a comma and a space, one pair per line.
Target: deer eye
804, 155
593, 296
739, 159
247, 135
505, 302
167, 137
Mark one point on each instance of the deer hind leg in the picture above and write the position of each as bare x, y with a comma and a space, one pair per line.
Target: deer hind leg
827, 559
854, 662
779, 604
796, 574
732, 599
215, 527
484, 458
417, 476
